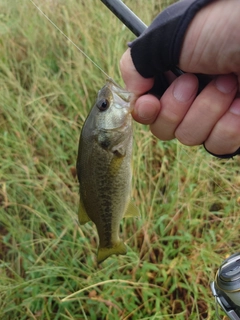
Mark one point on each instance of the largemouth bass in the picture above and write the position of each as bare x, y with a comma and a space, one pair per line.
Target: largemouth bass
104, 168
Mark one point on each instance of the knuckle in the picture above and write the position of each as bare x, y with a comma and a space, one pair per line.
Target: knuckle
229, 127
232, 134
170, 117
225, 139
186, 138
161, 134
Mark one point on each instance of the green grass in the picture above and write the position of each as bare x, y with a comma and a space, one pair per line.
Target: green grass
189, 202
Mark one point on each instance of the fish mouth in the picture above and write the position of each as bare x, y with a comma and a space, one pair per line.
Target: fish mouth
122, 97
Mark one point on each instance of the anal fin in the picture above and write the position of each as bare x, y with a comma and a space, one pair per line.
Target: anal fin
82, 214
131, 211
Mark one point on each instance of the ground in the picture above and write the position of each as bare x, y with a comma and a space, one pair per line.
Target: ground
189, 201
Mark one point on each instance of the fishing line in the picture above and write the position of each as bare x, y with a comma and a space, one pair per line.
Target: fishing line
78, 48
55, 26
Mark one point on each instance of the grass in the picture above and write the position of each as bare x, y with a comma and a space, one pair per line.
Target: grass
189, 201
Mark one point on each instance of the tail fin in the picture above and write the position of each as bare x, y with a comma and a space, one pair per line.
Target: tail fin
117, 248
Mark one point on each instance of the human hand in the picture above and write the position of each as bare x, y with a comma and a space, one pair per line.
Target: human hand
211, 46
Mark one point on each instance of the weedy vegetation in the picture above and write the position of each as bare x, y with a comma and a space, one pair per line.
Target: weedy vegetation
189, 201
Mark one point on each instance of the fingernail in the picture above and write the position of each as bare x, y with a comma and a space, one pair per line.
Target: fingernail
184, 90
226, 83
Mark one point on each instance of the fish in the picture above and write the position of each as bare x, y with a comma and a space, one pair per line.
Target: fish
104, 168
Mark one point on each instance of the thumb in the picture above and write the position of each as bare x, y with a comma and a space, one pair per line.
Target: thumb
134, 82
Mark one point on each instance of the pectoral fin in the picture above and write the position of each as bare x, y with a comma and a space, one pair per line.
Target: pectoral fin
131, 211
119, 150
82, 214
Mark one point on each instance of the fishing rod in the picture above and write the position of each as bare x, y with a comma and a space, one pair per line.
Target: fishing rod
127, 16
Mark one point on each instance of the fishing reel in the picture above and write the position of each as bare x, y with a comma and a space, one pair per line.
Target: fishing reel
226, 287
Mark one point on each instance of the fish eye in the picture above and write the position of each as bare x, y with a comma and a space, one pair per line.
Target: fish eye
103, 104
